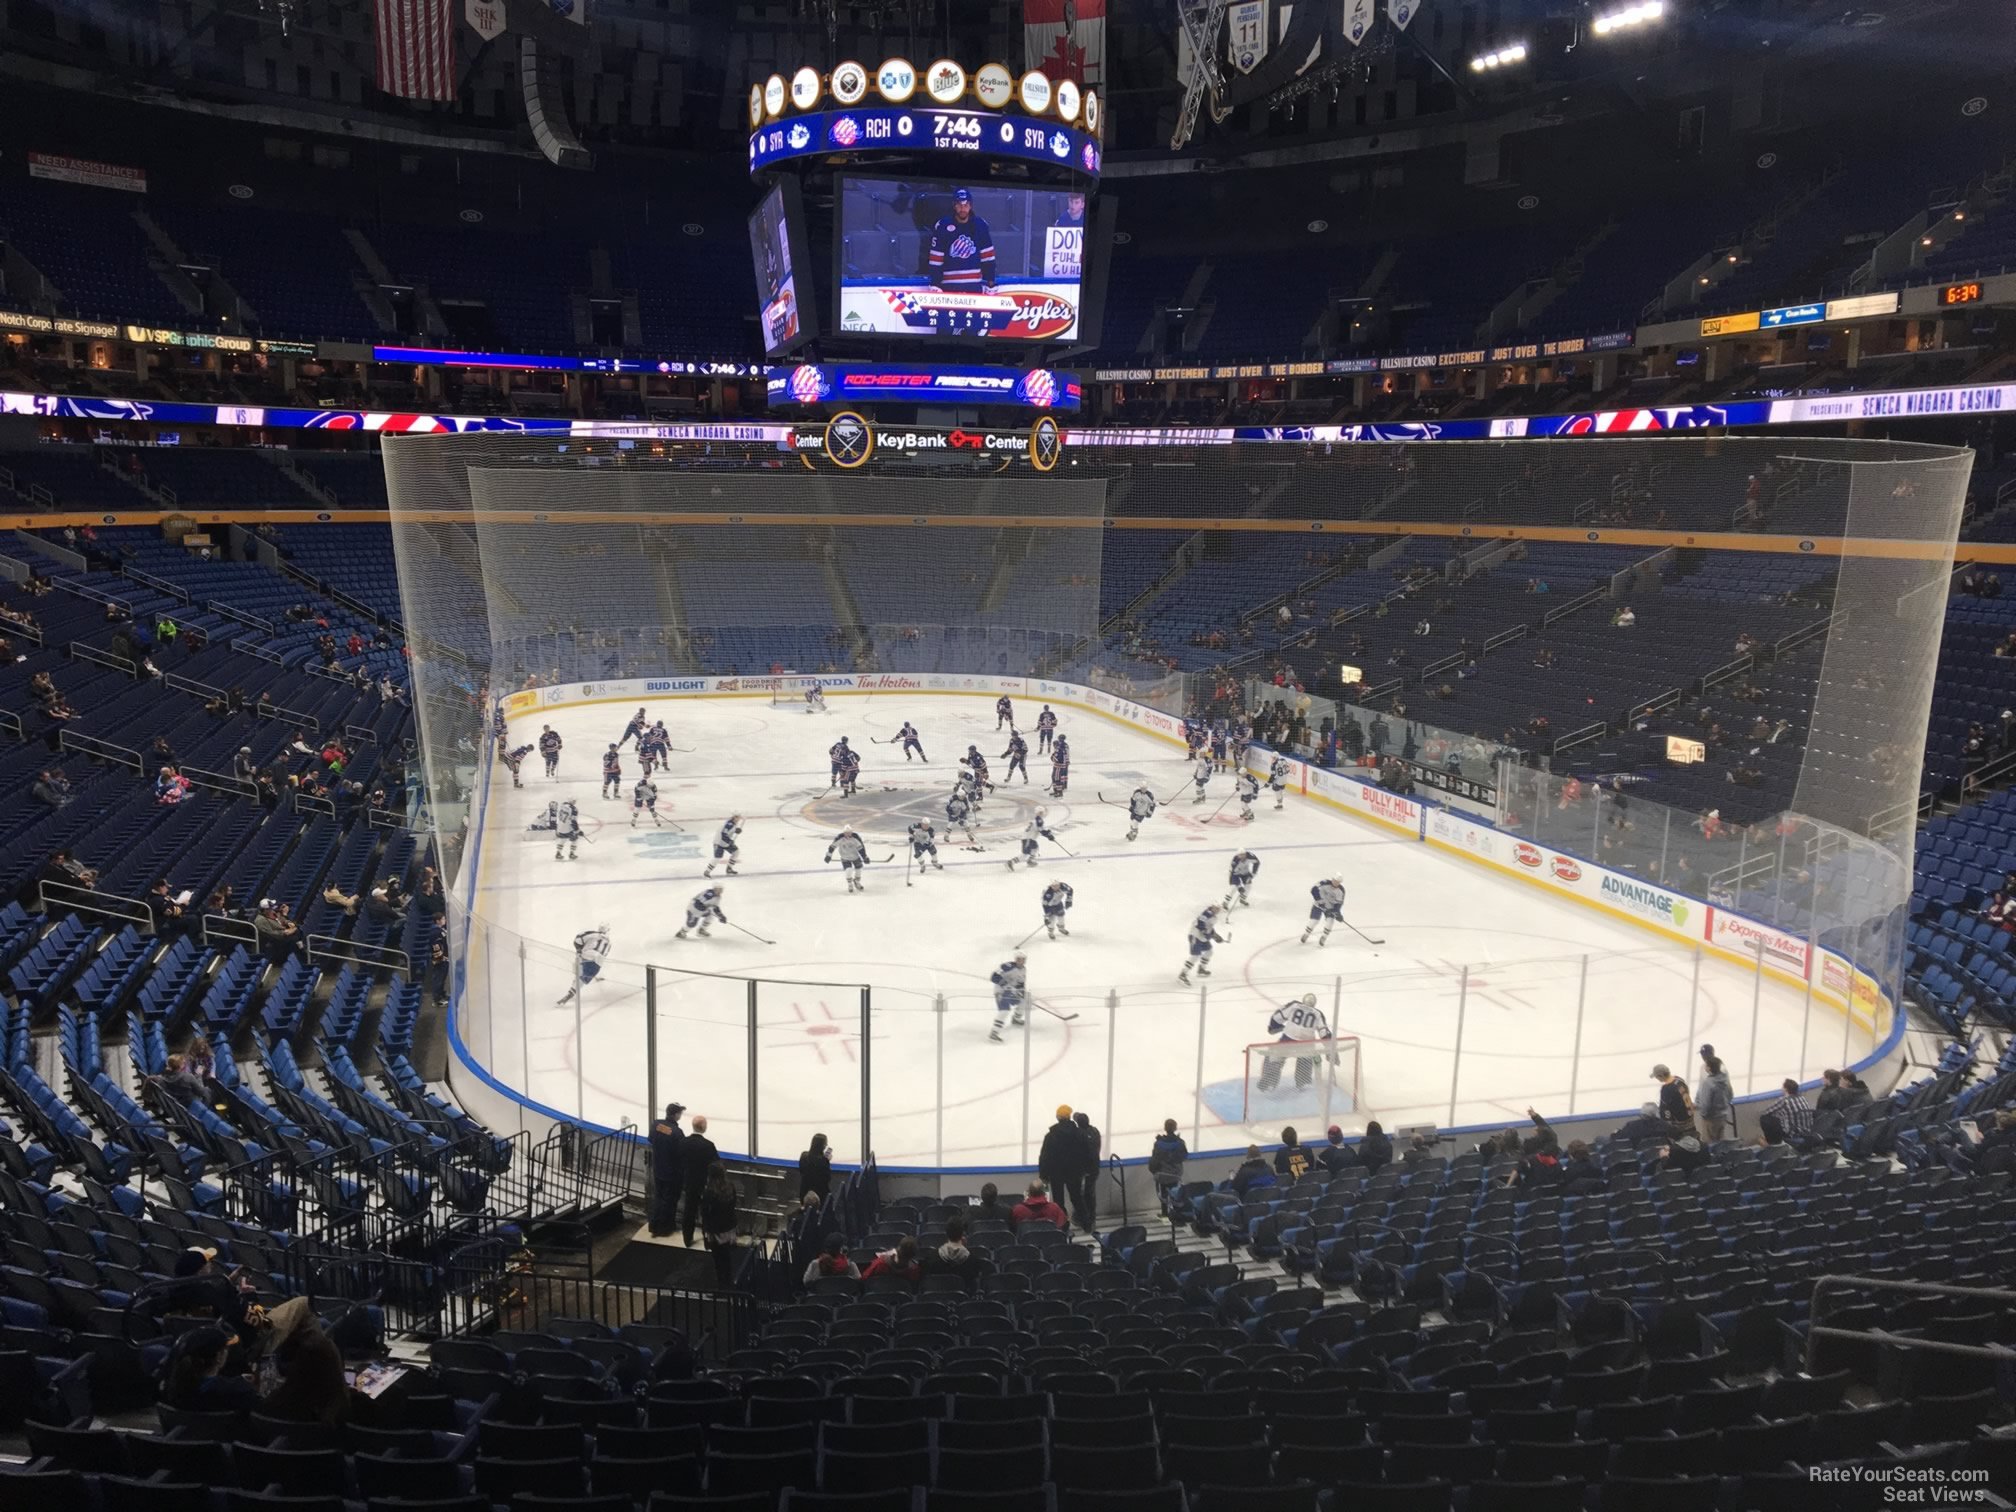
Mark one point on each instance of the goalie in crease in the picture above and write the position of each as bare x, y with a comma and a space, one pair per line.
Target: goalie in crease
1298, 1021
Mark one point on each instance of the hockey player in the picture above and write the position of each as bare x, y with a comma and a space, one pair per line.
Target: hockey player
636, 729
978, 764
1060, 767
1046, 726
547, 822
1036, 831
1056, 902
567, 831
1011, 991
967, 786
1201, 776
836, 756
1277, 779
1017, 755
1004, 713
654, 748
643, 800
705, 909
497, 726
612, 774
1248, 789
815, 699
1326, 906
850, 774
1292, 1023
724, 845
959, 814
1221, 741
1140, 809
1203, 936
549, 748
924, 846
907, 738
1245, 866
853, 852
1242, 737
959, 250
1193, 737
591, 954
513, 760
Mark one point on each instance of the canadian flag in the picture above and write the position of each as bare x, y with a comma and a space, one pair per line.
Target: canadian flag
1077, 52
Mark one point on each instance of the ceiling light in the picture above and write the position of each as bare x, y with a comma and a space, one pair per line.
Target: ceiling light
1504, 57
1644, 13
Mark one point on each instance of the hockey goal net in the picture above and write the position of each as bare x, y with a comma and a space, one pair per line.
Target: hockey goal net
789, 688
1291, 1079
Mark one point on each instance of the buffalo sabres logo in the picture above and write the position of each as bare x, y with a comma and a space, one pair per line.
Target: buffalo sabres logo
1046, 444
850, 439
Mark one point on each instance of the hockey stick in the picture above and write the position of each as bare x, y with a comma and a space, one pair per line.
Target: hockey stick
1038, 1003
1361, 934
906, 870
1108, 801
683, 751
749, 932
1066, 849
1221, 807
1030, 936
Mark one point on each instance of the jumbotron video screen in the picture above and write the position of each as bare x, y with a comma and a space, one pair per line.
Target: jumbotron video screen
924, 257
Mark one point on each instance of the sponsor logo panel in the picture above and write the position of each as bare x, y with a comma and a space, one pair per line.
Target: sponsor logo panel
1747, 937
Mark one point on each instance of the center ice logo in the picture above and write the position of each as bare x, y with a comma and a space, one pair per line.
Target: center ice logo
666, 845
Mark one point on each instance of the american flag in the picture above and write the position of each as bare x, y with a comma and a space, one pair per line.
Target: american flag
416, 48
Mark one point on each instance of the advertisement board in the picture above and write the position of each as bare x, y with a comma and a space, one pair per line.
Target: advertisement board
1746, 937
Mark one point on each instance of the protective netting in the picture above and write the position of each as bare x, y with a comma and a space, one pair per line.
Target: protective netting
1696, 662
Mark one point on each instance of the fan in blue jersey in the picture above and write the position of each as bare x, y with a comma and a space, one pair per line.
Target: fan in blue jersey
959, 255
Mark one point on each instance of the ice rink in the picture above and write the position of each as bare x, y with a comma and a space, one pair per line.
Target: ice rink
1140, 1048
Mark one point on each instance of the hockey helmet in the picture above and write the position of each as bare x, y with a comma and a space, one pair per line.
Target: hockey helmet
1308, 1000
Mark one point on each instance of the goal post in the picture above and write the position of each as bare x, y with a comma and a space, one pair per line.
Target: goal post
1291, 1079
789, 688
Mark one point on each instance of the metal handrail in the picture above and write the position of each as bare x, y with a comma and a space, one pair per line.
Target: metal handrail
243, 618
221, 782
1580, 736
1815, 1332
77, 649
336, 948
103, 750
11, 722
308, 803
252, 649
58, 896
1580, 601
175, 591
224, 927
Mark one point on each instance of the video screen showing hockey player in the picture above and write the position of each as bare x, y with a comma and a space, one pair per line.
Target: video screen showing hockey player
771, 235
922, 257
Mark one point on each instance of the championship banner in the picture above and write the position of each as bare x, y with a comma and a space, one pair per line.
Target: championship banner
485, 18
1402, 11
1246, 34
1358, 18
1077, 52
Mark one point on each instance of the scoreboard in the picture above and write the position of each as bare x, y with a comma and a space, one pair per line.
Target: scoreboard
889, 130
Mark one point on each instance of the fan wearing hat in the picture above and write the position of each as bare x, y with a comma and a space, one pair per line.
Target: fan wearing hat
1675, 1106
1064, 1161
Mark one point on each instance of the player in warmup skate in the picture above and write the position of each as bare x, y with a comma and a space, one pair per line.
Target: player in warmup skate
567, 831
1011, 992
850, 774
639, 724
1004, 713
1017, 755
966, 786
1201, 776
1242, 737
513, 760
1060, 767
853, 854
549, 748
547, 822
1140, 809
725, 846
498, 727
836, 757
1277, 780
1036, 832
907, 738
1293, 1023
1046, 727
1056, 903
959, 814
591, 954
978, 763
959, 253
1248, 789
705, 909
654, 748
612, 774
1245, 867
1203, 936
644, 800
1193, 738
1221, 742
815, 699
1326, 906
924, 846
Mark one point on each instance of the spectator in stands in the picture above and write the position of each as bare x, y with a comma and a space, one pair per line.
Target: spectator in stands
1714, 1100
1062, 1161
1422, 627
701, 1155
219, 902
1624, 618
953, 1257
832, 1261
1036, 1207
668, 1171
184, 1085
1788, 1120
1648, 1125
336, 897
1375, 1149
815, 1168
989, 1206
428, 901
388, 900
51, 787
1674, 1104
169, 915
1166, 1158
67, 869
718, 1212
1684, 1152
1745, 643
1841, 1092
312, 1386
161, 753
1333, 1155
171, 787
1997, 1149
1085, 1196
42, 689
199, 1057
1710, 824
277, 933
1292, 1160
900, 1262
194, 1380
